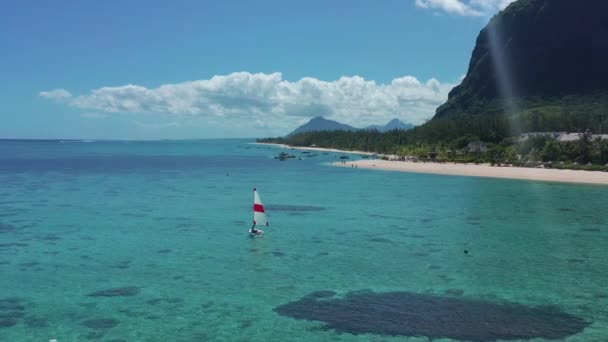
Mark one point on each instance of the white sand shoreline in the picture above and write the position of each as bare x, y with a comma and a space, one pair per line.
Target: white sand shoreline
484, 170
471, 170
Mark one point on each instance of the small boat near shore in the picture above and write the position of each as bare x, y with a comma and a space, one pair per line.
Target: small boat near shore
284, 156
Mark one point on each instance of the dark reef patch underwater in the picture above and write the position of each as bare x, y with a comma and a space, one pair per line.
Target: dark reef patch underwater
413, 314
116, 292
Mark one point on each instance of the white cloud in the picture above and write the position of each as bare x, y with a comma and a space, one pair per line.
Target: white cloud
490, 6
475, 8
57, 94
450, 6
269, 101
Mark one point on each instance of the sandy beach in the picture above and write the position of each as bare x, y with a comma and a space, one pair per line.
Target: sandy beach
550, 175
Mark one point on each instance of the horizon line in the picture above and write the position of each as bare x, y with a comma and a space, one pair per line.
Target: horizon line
118, 140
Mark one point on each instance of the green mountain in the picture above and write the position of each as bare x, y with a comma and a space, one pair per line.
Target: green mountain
543, 63
319, 123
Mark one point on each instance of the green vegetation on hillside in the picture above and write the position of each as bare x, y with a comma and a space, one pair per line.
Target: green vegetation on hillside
488, 122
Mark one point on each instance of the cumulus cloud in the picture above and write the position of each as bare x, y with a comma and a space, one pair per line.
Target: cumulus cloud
57, 94
270, 101
474, 8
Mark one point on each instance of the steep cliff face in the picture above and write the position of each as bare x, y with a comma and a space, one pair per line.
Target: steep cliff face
535, 49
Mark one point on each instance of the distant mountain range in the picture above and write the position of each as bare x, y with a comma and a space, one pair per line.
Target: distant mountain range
321, 124
391, 126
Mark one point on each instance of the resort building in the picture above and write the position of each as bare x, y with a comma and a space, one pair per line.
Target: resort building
560, 136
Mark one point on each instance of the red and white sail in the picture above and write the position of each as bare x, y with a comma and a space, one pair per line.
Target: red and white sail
259, 213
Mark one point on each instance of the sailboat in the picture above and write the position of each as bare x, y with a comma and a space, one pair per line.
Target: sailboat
259, 215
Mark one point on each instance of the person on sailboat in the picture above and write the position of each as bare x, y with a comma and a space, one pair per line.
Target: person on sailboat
259, 215
255, 231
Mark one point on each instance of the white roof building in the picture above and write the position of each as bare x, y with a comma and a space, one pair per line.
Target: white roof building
569, 137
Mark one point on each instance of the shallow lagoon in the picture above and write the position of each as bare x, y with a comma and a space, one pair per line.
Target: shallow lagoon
110, 241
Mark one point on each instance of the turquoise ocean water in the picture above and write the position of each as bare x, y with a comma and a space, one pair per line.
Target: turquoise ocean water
167, 222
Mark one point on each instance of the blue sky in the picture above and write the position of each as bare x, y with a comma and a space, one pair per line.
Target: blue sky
209, 69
